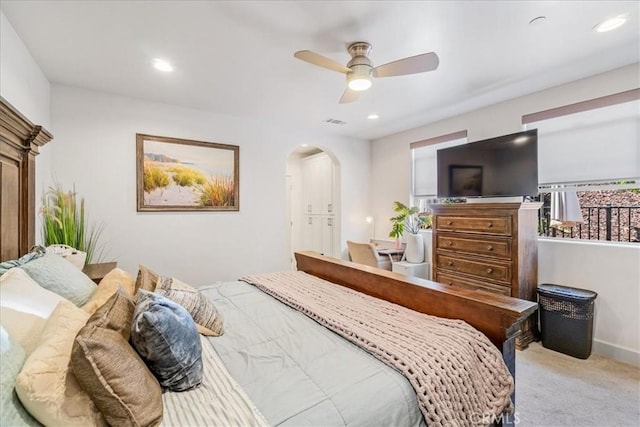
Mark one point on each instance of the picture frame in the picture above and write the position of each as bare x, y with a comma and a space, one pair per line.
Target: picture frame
174, 174
465, 181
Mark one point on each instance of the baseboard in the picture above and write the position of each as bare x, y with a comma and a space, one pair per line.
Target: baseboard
621, 354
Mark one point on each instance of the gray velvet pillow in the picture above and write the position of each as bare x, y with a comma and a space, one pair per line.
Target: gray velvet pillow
58, 275
165, 336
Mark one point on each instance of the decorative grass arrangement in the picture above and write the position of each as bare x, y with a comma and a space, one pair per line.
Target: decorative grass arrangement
64, 222
218, 191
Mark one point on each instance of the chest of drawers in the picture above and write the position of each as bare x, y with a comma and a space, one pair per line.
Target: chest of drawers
490, 247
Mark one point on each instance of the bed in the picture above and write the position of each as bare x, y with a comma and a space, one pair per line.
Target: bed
289, 363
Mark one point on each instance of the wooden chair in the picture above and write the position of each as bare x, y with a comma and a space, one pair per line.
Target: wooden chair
366, 253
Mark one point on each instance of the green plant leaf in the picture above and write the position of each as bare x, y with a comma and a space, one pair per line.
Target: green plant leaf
64, 221
408, 219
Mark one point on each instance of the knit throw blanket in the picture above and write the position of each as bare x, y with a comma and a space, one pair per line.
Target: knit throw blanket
459, 376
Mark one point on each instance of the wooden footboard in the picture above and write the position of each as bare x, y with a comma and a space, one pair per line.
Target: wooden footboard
497, 316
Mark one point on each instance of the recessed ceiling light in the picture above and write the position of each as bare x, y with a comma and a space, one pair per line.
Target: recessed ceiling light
372, 116
611, 23
162, 65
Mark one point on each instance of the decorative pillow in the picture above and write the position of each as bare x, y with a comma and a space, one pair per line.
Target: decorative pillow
147, 279
60, 276
36, 252
25, 307
204, 313
46, 386
165, 336
110, 370
109, 286
12, 356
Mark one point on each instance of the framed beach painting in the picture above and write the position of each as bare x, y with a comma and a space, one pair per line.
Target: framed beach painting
183, 175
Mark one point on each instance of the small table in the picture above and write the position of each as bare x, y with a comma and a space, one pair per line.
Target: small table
395, 254
97, 271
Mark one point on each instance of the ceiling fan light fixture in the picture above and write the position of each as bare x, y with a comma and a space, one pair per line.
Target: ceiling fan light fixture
359, 78
360, 84
360, 72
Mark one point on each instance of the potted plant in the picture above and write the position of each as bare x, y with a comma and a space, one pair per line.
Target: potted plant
408, 219
64, 222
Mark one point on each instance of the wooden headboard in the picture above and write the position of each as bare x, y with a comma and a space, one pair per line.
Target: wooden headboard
19, 142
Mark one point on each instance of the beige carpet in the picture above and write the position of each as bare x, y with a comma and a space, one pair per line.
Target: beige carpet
553, 389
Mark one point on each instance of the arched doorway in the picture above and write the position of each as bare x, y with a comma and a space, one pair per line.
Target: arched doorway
313, 199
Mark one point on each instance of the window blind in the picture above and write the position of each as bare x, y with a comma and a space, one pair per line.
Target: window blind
590, 144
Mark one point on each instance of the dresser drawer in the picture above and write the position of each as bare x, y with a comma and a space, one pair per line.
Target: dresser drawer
498, 225
498, 248
463, 282
493, 270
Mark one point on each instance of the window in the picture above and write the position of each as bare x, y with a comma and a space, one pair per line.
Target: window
424, 173
606, 215
589, 156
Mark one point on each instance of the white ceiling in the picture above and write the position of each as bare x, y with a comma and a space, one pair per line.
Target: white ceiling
236, 57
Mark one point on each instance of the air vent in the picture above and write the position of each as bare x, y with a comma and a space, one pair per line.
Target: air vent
335, 122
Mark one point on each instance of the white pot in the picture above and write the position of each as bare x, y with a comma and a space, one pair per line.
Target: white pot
414, 252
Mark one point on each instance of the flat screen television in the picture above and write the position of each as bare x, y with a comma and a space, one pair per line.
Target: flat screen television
505, 166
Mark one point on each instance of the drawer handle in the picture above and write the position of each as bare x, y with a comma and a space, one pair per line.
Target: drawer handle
450, 263
449, 222
489, 225
449, 243
449, 282
489, 270
489, 248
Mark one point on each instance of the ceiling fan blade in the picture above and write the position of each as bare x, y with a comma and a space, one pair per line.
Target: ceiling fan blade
411, 65
349, 96
321, 61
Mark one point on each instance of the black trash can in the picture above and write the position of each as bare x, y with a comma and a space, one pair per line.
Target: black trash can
566, 319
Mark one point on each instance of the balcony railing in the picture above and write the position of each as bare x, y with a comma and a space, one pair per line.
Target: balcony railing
614, 223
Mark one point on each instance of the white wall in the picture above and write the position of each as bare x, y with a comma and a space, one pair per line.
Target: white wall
24, 86
94, 149
22, 82
613, 271
564, 264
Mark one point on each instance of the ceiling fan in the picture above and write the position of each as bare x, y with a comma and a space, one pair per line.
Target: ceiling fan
360, 70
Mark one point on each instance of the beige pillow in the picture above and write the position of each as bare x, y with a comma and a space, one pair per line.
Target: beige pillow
147, 279
208, 320
111, 372
46, 386
109, 286
25, 307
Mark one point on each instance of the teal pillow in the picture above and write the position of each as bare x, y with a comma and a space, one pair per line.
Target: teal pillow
36, 252
58, 275
165, 336
12, 412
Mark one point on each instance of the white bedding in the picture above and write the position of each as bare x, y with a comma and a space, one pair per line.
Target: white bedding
219, 401
299, 373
